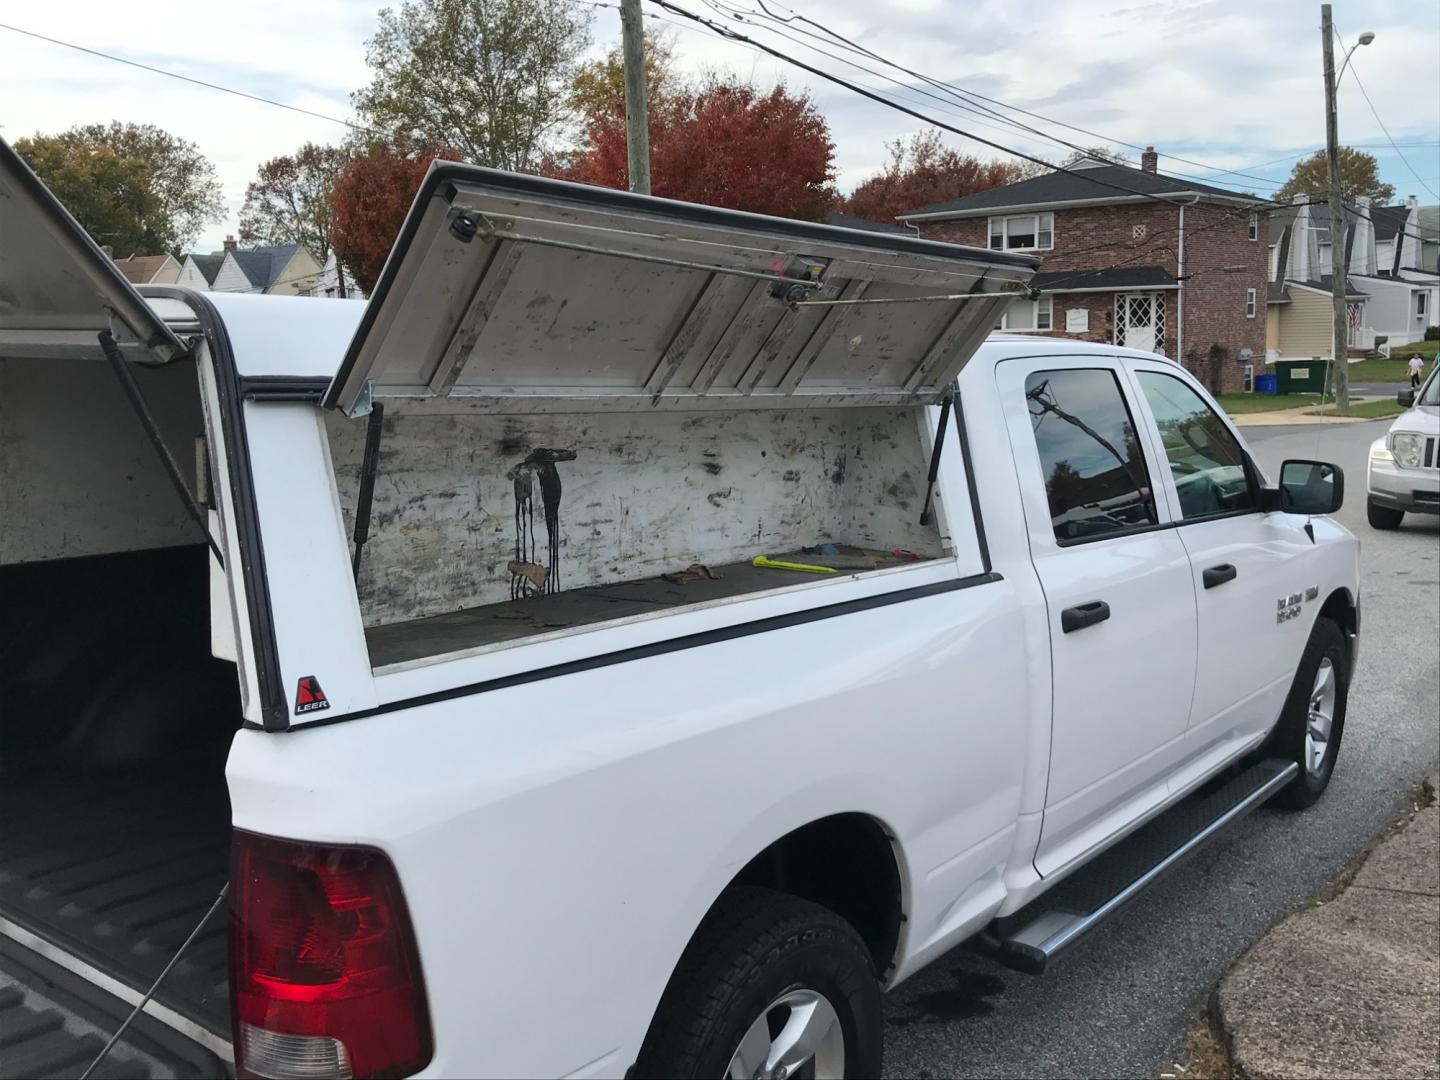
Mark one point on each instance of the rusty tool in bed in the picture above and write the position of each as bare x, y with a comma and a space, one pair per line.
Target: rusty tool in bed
768, 563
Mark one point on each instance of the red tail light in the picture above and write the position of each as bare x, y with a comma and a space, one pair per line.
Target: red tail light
324, 974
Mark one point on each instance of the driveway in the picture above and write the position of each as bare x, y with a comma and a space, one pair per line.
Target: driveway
1120, 1004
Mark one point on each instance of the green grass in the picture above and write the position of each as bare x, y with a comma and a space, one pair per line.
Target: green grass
1235, 404
1394, 370
1373, 410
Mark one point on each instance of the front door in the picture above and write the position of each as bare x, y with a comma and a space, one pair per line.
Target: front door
1140, 321
1121, 608
1244, 564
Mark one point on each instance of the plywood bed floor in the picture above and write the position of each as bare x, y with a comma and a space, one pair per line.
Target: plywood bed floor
510, 620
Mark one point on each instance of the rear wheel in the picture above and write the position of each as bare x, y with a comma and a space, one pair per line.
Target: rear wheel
1383, 517
1314, 716
772, 987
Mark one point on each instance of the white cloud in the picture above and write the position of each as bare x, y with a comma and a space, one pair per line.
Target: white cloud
1229, 82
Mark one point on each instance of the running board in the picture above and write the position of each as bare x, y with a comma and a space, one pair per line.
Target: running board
1032, 937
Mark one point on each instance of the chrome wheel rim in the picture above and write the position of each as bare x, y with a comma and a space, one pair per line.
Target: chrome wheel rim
1321, 719
797, 1034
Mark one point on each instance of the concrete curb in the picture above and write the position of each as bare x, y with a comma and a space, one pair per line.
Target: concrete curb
1350, 986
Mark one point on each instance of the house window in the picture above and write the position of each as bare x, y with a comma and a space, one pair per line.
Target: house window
1249, 303
1028, 315
1252, 230
1137, 232
1421, 300
1022, 232
1247, 378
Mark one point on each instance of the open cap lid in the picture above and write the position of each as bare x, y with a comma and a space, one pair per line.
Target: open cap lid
511, 293
58, 290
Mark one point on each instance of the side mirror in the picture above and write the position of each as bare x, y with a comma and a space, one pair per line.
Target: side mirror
1307, 487
1406, 398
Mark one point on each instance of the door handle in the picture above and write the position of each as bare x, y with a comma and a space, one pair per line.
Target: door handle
1218, 575
1083, 615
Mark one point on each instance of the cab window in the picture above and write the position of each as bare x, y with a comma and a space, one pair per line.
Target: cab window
1205, 458
1095, 475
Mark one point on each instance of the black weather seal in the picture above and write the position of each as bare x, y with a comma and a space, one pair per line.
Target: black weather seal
283, 388
274, 707
935, 451
157, 439
369, 466
669, 645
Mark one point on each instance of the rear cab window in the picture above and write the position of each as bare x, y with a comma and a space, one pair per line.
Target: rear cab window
1096, 479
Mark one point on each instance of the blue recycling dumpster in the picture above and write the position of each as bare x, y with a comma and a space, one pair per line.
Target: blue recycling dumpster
1265, 384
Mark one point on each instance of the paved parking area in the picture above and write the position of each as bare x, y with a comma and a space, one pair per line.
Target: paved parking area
1121, 1003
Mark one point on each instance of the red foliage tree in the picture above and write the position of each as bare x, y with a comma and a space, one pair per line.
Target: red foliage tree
372, 195
923, 171
726, 143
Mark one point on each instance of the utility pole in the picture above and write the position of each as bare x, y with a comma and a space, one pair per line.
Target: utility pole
1338, 267
637, 115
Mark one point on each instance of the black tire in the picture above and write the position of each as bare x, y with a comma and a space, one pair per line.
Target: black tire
752, 948
1383, 517
1327, 641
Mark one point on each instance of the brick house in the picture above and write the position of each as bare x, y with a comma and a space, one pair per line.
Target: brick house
1185, 276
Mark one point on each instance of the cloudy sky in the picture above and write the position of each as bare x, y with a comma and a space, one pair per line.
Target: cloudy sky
1230, 84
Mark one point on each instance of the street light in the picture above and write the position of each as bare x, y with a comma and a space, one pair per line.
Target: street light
1364, 39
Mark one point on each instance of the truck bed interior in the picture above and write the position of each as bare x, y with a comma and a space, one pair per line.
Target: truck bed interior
115, 719
489, 530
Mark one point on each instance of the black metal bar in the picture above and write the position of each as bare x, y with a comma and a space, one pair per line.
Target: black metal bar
369, 465
945, 405
157, 440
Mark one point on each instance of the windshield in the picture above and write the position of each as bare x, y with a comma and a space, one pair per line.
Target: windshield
1430, 392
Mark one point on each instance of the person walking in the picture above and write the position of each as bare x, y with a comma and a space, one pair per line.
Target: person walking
1417, 369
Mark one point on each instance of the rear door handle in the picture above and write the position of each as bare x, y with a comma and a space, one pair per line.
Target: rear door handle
1218, 575
1083, 615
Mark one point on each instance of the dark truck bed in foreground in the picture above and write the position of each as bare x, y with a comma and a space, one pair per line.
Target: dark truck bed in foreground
116, 871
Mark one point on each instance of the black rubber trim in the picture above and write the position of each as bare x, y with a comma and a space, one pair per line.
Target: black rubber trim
962, 432
443, 176
660, 648
274, 712
283, 387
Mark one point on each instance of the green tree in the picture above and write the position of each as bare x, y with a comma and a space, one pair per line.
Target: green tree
1359, 175
290, 200
135, 187
490, 78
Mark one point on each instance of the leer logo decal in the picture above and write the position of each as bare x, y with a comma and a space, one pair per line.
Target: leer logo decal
309, 697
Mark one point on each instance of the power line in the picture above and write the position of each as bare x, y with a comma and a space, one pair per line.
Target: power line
186, 78
726, 32
1383, 128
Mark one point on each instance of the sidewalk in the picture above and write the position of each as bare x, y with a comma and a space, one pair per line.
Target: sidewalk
1349, 986
1296, 417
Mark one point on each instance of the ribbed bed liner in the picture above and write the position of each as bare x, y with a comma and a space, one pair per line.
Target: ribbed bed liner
117, 871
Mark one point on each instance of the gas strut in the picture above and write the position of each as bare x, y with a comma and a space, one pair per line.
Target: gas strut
157, 440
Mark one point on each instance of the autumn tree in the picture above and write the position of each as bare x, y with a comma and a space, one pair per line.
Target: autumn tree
290, 199
923, 171
372, 194
1359, 176
723, 143
490, 78
134, 187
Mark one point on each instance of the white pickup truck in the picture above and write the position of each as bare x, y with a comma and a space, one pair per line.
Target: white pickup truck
634, 641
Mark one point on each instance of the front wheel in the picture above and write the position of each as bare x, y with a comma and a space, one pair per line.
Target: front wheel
1383, 517
771, 987
1314, 716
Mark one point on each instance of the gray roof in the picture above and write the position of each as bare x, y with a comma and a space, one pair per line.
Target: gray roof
850, 221
1120, 277
1276, 293
262, 266
1323, 283
1097, 182
208, 265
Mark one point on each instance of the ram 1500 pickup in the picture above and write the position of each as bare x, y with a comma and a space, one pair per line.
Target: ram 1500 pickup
629, 644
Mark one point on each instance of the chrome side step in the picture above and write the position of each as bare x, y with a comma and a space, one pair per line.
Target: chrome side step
1031, 938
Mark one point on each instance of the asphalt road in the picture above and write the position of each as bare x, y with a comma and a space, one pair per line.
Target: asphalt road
1121, 1003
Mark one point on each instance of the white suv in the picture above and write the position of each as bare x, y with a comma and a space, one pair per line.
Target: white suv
1404, 473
